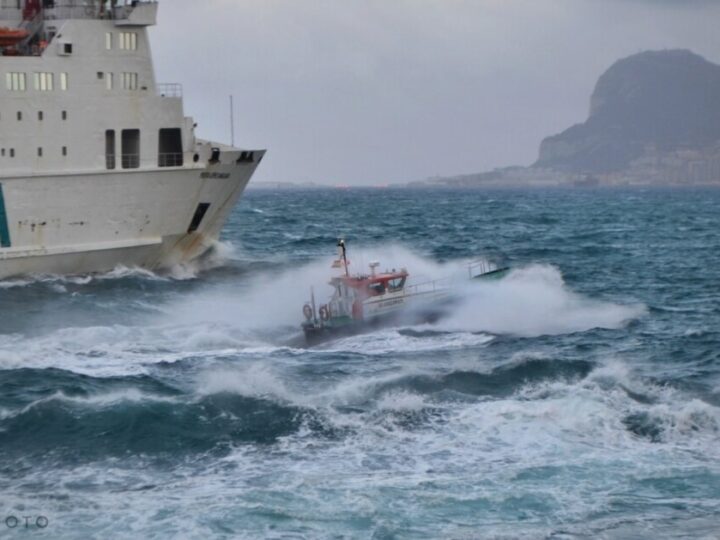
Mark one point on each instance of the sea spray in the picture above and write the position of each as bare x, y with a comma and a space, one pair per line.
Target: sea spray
534, 301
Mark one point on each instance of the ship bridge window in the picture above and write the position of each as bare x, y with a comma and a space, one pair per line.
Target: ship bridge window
44, 82
128, 41
170, 150
130, 148
16, 82
110, 149
130, 81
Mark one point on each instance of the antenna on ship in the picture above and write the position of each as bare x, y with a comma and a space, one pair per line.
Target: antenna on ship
232, 122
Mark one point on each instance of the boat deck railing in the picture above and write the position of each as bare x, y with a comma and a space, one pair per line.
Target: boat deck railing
72, 9
130, 161
170, 90
480, 267
171, 159
428, 286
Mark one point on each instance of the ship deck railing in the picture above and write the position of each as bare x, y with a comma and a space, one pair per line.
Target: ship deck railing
170, 90
130, 161
171, 159
72, 9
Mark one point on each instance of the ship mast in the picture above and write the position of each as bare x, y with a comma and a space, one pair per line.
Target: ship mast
343, 254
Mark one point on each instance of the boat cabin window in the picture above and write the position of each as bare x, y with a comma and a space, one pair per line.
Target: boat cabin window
130, 148
16, 82
170, 150
377, 288
44, 82
130, 81
128, 41
109, 149
396, 284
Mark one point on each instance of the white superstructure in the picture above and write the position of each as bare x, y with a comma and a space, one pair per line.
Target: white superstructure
98, 164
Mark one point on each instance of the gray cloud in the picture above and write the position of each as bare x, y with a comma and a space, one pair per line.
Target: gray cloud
370, 91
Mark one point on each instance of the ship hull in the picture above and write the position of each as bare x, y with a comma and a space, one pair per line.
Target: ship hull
94, 222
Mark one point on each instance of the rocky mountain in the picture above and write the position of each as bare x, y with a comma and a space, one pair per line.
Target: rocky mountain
665, 101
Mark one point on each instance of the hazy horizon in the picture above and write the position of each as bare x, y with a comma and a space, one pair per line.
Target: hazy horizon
371, 92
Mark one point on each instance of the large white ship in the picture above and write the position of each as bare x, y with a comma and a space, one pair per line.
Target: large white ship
99, 167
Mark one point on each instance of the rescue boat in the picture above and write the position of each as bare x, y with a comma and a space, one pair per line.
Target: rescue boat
9, 37
367, 301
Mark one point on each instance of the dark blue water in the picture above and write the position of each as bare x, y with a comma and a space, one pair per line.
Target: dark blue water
577, 398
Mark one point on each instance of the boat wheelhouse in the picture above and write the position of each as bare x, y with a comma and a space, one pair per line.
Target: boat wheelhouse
99, 166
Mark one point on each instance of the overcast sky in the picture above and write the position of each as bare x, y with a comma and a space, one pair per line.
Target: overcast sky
383, 91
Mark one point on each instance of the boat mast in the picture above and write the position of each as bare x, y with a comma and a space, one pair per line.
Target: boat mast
341, 245
312, 300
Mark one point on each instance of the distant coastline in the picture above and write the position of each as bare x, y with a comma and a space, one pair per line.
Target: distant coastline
654, 121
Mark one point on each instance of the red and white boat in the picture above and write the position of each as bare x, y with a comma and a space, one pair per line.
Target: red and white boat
363, 302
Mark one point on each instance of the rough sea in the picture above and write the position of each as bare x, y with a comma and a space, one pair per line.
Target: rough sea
577, 398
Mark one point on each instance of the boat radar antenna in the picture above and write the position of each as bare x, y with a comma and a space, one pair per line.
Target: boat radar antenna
343, 254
